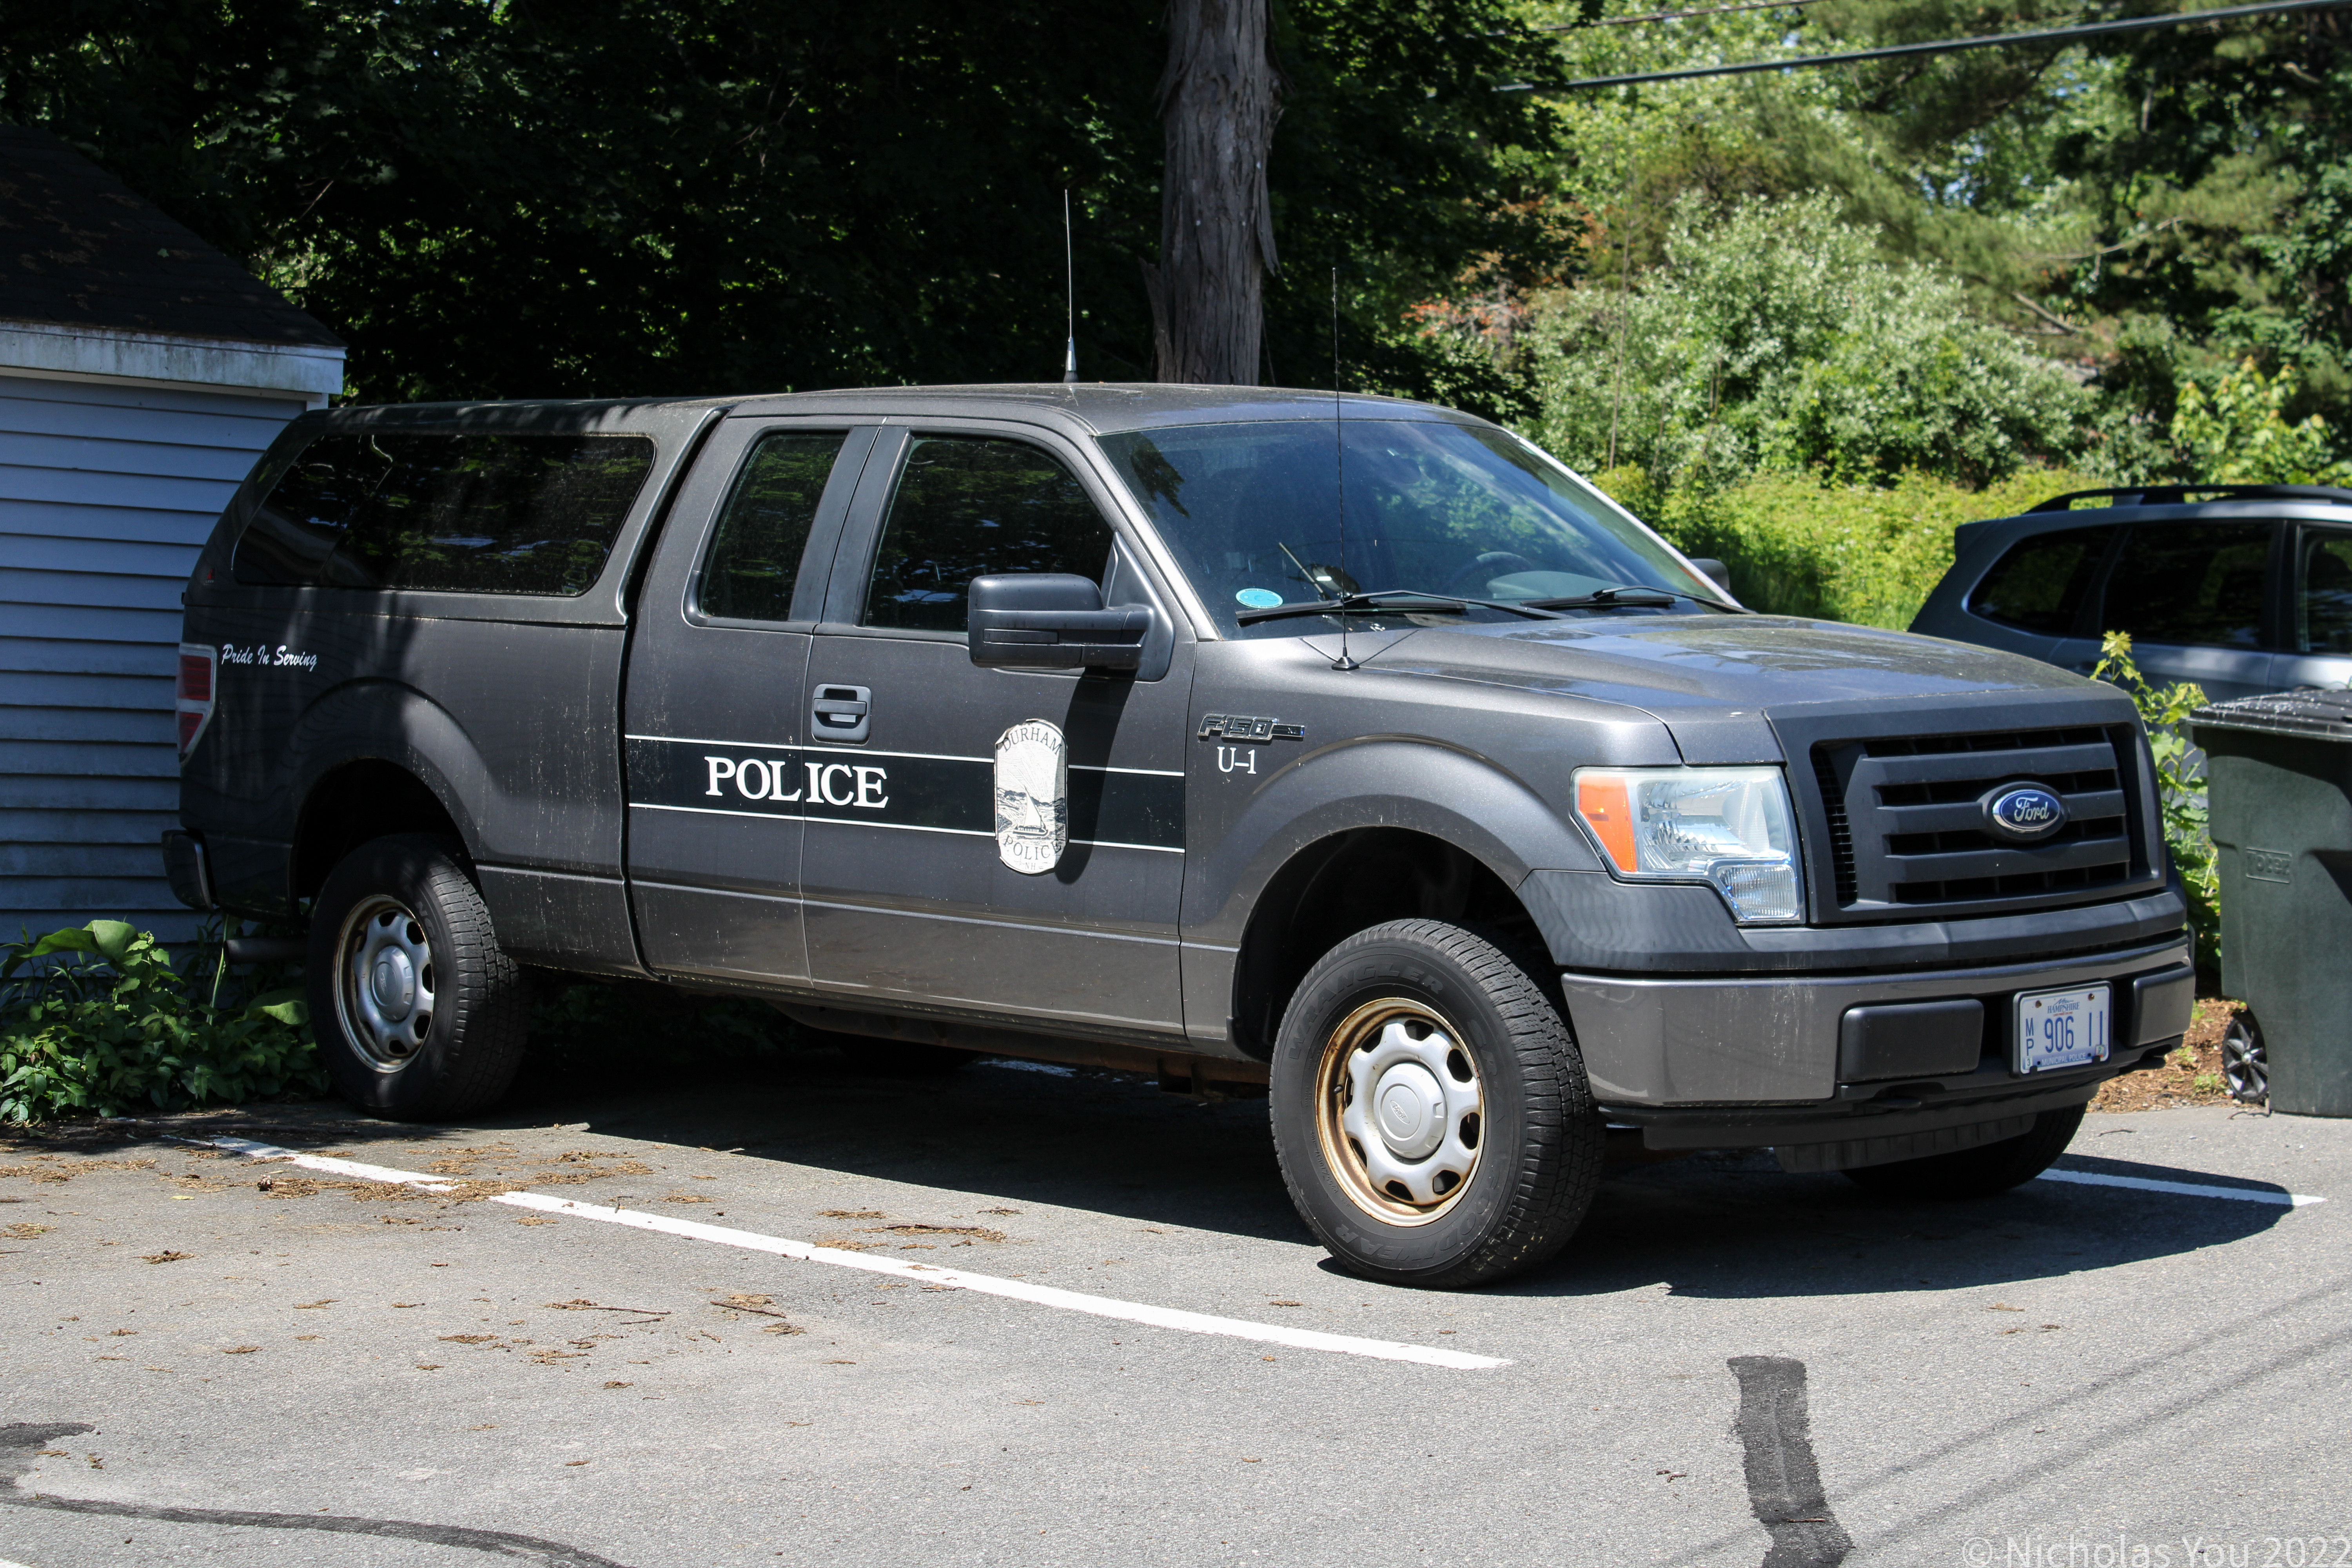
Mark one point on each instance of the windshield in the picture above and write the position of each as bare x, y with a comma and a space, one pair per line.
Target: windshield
1251, 511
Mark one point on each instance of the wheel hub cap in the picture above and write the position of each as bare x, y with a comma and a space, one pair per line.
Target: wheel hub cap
384, 985
1400, 1112
394, 981
1410, 1110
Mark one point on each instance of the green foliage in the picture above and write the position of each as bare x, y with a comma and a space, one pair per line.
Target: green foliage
96, 1020
618, 197
1797, 545
2239, 433
1773, 338
2180, 786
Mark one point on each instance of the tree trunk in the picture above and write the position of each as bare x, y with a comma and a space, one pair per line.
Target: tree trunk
1220, 100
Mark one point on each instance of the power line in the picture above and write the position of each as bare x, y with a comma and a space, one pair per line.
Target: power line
1942, 46
1671, 15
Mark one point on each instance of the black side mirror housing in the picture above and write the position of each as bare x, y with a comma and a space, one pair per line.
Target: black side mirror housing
1716, 572
1044, 620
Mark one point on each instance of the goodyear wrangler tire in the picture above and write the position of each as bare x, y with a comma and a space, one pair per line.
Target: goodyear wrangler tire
417, 1014
1977, 1173
1430, 1109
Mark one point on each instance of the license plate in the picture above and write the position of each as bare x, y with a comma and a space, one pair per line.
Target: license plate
2063, 1028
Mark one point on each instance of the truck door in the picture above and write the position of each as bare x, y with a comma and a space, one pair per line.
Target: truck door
909, 896
716, 695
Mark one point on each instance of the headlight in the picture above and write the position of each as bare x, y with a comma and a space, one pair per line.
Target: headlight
1730, 827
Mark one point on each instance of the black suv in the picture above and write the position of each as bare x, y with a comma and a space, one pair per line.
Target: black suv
2240, 588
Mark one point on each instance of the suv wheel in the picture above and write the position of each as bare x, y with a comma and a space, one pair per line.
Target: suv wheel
1980, 1171
2245, 1061
417, 1013
1431, 1110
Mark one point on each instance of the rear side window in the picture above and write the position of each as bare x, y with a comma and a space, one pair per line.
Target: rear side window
755, 550
967, 507
2039, 586
450, 513
2193, 583
2323, 592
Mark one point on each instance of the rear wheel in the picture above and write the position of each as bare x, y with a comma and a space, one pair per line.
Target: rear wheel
1980, 1171
419, 1015
1431, 1110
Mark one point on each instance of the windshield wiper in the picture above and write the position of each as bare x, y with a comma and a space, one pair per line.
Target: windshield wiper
1403, 599
1628, 595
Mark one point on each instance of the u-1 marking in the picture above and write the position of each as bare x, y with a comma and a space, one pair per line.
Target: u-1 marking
863, 779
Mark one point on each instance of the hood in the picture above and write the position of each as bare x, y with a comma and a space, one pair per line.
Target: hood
1717, 681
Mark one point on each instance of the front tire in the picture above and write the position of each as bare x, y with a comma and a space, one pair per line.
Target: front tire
1980, 1171
1430, 1109
419, 1015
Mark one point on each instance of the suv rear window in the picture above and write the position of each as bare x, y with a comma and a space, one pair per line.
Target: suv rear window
2196, 584
478, 513
2039, 586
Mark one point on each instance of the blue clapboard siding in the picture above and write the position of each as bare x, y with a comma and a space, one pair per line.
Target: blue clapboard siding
106, 494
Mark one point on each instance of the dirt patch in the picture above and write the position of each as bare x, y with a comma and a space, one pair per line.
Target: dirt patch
2190, 1075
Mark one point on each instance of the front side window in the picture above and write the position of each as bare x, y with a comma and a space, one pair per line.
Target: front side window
2196, 584
2323, 592
755, 550
1253, 511
2038, 586
476, 513
971, 506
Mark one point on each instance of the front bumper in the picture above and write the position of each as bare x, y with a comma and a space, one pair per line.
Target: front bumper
1755, 1062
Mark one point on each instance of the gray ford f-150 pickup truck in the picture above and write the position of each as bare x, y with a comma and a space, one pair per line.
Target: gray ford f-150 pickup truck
1347, 746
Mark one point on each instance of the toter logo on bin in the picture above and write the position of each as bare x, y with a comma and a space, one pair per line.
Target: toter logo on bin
2025, 814
2269, 865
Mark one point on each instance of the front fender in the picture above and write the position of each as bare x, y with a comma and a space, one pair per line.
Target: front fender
1418, 786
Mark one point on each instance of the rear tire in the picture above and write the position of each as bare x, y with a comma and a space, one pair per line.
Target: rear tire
1977, 1172
419, 1015
1430, 1109
2245, 1061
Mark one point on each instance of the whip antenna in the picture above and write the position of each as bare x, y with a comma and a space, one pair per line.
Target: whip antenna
1339, 471
1069, 292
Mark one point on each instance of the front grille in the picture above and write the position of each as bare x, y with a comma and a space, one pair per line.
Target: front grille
1907, 825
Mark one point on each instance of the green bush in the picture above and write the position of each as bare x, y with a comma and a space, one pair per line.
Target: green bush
2180, 788
1799, 546
96, 1019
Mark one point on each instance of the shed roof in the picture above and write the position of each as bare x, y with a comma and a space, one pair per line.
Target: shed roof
79, 249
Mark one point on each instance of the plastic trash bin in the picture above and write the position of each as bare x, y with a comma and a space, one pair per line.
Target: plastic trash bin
2279, 775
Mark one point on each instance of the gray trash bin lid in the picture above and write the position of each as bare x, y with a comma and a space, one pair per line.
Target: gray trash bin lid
2322, 715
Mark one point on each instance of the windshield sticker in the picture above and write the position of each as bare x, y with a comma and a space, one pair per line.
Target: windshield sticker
1032, 797
1259, 598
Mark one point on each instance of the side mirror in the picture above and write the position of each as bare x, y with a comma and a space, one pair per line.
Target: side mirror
1716, 572
1040, 620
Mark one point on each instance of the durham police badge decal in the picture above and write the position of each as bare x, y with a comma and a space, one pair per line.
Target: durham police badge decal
1032, 797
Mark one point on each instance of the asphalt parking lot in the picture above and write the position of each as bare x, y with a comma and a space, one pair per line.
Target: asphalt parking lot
1024, 1315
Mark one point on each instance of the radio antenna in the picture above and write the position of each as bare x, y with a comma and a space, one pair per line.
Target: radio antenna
1069, 293
1340, 473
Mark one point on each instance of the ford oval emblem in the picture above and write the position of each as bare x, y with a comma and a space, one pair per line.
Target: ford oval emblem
2025, 813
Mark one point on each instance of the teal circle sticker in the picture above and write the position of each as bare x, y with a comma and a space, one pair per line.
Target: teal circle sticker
1259, 598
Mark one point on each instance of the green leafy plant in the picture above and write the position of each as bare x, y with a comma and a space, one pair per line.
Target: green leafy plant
97, 1019
2237, 434
2180, 786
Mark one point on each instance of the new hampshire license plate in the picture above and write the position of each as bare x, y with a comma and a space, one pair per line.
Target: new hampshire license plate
2063, 1028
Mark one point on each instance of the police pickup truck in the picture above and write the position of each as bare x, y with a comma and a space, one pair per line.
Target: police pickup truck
1348, 747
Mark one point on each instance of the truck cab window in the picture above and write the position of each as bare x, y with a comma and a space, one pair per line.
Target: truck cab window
475, 513
968, 506
2038, 586
755, 550
2195, 584
2323, 592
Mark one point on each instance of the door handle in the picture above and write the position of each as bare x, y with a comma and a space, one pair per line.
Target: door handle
841, 714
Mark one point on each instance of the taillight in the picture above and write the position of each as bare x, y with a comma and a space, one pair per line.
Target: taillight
195, 697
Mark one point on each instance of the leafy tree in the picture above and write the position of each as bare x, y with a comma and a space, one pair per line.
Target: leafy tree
511, 198
2238, 435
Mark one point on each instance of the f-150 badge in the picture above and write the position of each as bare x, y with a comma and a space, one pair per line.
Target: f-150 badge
1032, 797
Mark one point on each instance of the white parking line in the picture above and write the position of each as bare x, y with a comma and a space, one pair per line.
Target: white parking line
2184, 1189
928, 1274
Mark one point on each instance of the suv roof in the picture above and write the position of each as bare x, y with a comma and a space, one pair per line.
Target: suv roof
2185, 495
